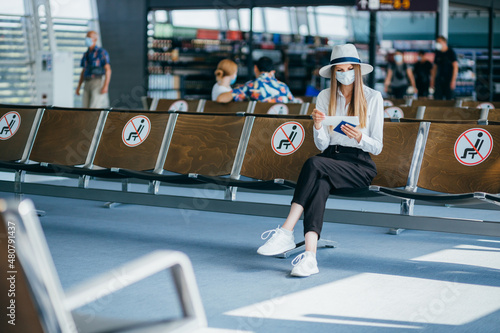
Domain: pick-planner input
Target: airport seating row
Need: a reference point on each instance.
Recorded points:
(241, 150)
(441, 103)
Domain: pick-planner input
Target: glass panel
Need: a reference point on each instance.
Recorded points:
(233, 24)
(207, 19)
(12, 7)
(332, 25)
(278, 20)
(311, 17)
(161, 16)
(258, 22)
(71, 9)
(335, 10)
(16, 84)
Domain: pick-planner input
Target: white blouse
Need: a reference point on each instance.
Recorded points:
(371, 140)
(219, 89)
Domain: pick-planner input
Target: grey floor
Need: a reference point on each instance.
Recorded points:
(373, 282)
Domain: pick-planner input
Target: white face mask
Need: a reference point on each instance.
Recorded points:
(439, 46)
(346, 78)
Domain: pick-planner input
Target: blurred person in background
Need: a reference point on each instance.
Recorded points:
(445, 70)
(265, 88)
(422, 73)
(225, 75)
(96, 74)
(399, 77)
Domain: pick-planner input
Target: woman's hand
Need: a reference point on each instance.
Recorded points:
(352, 132)
(318, 117)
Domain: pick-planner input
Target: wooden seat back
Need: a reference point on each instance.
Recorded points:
(311, 108)
(163, 104)
(278, 108)
(204, 144)
(396, 111)
(262, 159)
(432, 102)
(231, 107)
(306, 99)
(442, 121)
(480, 104)
(16, 125)
(393, 163)
(394, 102)
(122, 147)
(494, 115)
(451, 113)
(65, 135)
(25, 314)
(443, 172)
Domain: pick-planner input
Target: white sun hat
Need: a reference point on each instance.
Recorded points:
(344, 54)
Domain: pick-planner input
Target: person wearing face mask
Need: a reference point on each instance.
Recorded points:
(225, 75)
(96, 74)
(345, 160)
(399, 76)
(422, 73)
(445, 70)
(265, 88)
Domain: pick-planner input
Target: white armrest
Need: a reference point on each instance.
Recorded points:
(137, 270)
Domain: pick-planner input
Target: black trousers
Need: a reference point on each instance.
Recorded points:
(399, 92)
(442, 90)
(337, 167)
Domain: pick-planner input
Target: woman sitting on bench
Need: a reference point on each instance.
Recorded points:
(345, 161)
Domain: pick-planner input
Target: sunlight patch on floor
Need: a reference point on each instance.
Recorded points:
(379, 300)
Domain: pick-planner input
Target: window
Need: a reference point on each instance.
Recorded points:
(332, 22)
(206, 19)
(258, 22)
(79, 9)
(278, 20)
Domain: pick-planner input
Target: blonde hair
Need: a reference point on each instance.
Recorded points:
(225, 67)
(357, 106)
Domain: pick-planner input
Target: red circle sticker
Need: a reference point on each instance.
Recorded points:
(9, 124)
(393, 112)
(179, 105)
(288, 138)
(388, 102)
(136, 131)
(278, 109)
(473, 146)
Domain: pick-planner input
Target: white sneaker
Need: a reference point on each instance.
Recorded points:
(305, 264)
(280, 242)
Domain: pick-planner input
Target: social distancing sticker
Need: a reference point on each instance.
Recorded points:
(393, 112)
(179, 105)
(473, 146)
(278, 109)
(288, 138)
(486, 105)
(388, 103)
(136, 131)
(9, 124)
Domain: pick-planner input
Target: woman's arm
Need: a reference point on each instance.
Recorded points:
(321, 135)
(387, 81)
(225, 97)
(409, 72)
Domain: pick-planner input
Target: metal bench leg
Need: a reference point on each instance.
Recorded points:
(153, 187)
(83, 181)
(406, 208)
(300, 247)
(230, 193)
(125, 187)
